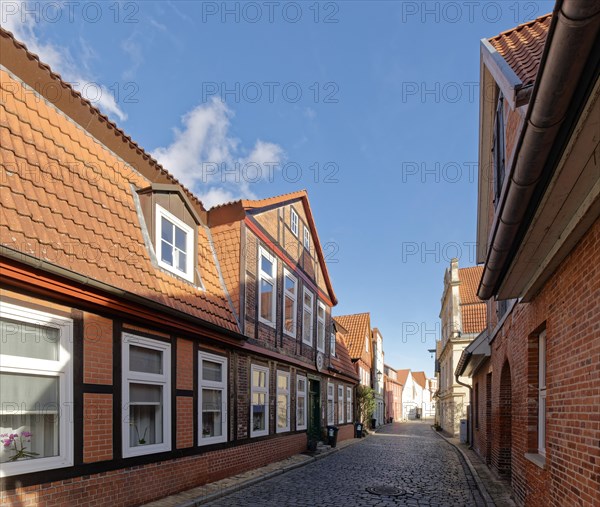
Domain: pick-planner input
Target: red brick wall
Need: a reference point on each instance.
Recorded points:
(97, 349)
(137, 485)
(569, 309)
(97, 427)
(185, 364)
(185, 421)
(346, 432)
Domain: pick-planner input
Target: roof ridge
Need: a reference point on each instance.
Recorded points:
(521, 26)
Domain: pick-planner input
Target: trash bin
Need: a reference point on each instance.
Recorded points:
(373, 423)
(358, 430)
(332, 432)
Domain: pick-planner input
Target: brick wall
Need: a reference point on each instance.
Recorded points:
(97, 427)
(568, 308)
(97, 349)
(137, 485)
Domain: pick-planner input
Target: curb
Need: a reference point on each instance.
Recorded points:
(480, 485)
(256, 480)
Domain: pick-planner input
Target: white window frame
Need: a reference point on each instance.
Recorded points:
(321, 338)
(301, 394)
(285, 392)
(271, 279)
(367, 343)
(340, 393)
(310, 310)
(332, 343)
(306, 238)
(294, 222)
(189, 243)
(330, 403)
(62, 368)
(136, 377)
(294, 298)
(542, 393)
(258, 389)
(210, 384)
(349, 405)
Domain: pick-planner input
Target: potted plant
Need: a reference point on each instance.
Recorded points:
(16, 443)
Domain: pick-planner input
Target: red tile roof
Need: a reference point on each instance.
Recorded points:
(473, 309)
(67, 199)
(420, 378)
(342, 360)
(522, 47)
(402, 376)
(358, 326)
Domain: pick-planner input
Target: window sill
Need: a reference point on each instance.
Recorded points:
(536, 459)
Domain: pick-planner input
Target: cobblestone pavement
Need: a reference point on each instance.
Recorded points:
(409, 456)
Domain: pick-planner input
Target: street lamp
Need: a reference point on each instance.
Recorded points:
(379, 374)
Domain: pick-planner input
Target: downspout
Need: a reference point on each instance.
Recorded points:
(470, 388)
(571, 38)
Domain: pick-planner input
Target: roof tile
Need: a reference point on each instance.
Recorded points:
(358, 326)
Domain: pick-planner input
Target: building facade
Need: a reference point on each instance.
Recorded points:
(126, 348)
(392, 394)
(463, 317)
(536, 371)
(378, 377)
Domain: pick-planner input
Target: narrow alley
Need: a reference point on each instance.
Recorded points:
(410, 457)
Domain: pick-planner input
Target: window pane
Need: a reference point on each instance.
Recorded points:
(301, 421)
(212, 371)
(29, 417)
(320, 334)
(321, 312)
(145, 425)
(301, 385)
(166, 253)
(258, 378)
(308, 300)
(145, 394)
(212, 407)
(282, 382)
(258, 412)
(306, 323)
(290, 285)
(266, 265)
(166, 229)
(180, 239)
(182, 262)
(289, 315)
(282, 409)
(145, 360)
(29, 340)
(266, 295)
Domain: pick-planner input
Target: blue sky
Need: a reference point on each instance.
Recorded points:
(370, 106)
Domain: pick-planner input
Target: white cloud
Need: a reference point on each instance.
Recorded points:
(25, 29)
(206, 158)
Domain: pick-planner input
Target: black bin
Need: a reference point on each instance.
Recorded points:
(332, 432)
(358, 430)
(373, 423)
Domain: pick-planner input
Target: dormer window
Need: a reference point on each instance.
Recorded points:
(174, 244)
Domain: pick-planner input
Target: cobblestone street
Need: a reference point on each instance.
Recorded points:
(408, 456)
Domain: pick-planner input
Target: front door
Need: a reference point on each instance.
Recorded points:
(314, 407)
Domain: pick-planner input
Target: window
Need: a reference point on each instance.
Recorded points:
(306, 238)
(349, 405)
(542, 393)
(294, 221)
(301, 402)
(260, 401)
(367, 343)
(332, 343)
(330, 404)
(290, 302)
(283, 401)
(340, 404)
(36, 380)
(174, 244)
(307, 318)
(212, 398)
(267, 287)
(146, 396)
(499, 150)
(320, 327)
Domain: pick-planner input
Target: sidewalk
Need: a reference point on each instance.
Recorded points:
(494, 490)
(218, 489)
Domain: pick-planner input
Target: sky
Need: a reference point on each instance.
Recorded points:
(371, 106)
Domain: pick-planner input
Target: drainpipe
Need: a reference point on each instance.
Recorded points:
(571, 38)
(470, 388)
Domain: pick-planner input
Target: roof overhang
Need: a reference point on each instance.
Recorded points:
(474, 355)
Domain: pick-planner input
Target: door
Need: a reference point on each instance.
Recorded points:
(314, 407)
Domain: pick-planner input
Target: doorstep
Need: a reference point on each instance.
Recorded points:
(214, 490)
(495, 492)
